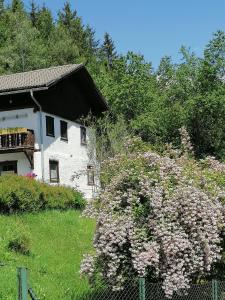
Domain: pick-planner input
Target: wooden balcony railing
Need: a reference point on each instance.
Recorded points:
(17, 141)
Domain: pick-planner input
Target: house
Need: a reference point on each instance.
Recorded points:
(40, 132)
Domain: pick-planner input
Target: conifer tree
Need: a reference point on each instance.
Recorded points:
(1, 6)
(108, 49)
(17, 5)
(44, 22)
(67, 15)
(33, 13)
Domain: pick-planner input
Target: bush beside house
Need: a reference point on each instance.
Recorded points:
(159, 216)
(20, 194)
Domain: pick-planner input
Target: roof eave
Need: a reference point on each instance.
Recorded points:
(21, 91)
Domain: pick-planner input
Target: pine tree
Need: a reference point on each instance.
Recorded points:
(1, 6)
(17, 5)
(108, 49)
(67, 15)
(33, 13)
(72, 23)
(91, 42)
(44, 22)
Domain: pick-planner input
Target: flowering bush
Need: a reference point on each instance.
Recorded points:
(31, 175)
(159, 216)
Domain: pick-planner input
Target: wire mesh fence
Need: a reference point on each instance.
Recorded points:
(196, 292)
(129, 292)
(139, 289)
(144, 290)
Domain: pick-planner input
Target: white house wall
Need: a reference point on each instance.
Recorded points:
(71, 155)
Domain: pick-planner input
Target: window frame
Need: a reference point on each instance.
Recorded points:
(90, 174)
(13, 163)
(53, 180)
(83, 142)
(48, 119)
(61, 127)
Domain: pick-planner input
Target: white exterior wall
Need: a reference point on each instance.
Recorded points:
(71, 155)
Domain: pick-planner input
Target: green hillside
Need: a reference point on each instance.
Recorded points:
(57, 242)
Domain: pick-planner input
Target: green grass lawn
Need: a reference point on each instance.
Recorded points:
(58, 242)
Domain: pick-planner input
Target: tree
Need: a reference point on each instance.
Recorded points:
(23, 50)
(2, 6)
(108, 50)
(72, 24)
(34, 13)
(67, 15)
(214, 53)
(17, 6)
(44, 23)
(165, 73)
(62, 49)
(91, 42)
(206, 123)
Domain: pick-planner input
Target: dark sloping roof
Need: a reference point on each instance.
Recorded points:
(36, 79)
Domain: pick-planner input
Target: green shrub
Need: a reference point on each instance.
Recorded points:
(19, 194)
(20, 240)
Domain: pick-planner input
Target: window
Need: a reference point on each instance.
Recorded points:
(83, 135)
(63, 131)
(50, 130)
(8, 167)
(54, 171)
(90, 175)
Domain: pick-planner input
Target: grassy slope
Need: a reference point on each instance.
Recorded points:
(59, 240)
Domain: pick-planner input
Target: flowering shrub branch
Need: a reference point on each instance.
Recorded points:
(158, 217)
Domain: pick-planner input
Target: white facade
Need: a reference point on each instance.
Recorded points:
(71, 155)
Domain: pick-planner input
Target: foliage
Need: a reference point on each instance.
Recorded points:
(20, 240)
(159, 216)
(108, 50)
(22, 194)
(206, 123)
(153, 103)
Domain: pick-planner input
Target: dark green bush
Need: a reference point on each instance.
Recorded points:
(20, 240)
(19, 194)
(20, 244)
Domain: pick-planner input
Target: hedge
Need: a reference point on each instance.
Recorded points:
(20, 194)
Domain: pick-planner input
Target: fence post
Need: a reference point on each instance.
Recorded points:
(215, 289)
(141, 288)
(22, 284)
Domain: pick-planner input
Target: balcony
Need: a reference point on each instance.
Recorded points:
(17, 140)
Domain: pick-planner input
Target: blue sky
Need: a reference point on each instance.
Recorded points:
(152, 27)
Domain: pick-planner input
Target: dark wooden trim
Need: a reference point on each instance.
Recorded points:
(18, 107)
(30, 156)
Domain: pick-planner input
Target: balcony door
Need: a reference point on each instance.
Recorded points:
(8, 167)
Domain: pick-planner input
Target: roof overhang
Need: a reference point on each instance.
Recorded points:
(52, 83)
